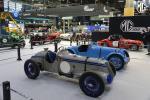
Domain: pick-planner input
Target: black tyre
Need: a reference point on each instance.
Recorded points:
(91, 84)
(117, 61)
(31, 69)
(134, 47)
(113, 68)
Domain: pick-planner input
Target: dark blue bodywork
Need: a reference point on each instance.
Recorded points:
(96, 51)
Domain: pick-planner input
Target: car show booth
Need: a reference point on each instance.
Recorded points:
(78, 49)
(129, 27)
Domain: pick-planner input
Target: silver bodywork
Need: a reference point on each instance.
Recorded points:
(73, 66)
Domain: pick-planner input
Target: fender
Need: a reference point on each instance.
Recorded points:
(119, 54)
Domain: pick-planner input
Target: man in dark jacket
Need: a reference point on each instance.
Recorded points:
(147, 39)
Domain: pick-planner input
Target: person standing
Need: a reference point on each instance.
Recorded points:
(146, 37)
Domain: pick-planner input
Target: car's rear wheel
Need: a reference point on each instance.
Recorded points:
(117, 61)
(91, 84)
(134, 47)
(32, 70)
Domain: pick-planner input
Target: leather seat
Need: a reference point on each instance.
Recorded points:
(51, 56)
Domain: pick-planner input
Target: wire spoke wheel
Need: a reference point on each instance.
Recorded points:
(31, 69)
(91, 84)
(117, 61)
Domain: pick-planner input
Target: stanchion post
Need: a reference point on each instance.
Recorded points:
(6, 90)
(70, 42)
(77, 42)
(56, 46)
(31, 42)
(18, 52)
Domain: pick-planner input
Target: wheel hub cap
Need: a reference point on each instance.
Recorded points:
(31, 69)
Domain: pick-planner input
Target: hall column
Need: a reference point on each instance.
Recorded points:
(129, 8)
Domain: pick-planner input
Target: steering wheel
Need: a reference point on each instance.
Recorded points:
(60, 50)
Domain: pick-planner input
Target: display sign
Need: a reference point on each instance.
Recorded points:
(87, 8)
(141, 7)
(11, 5)
(66, 18)
(13, 28)
(135, 24)
(129, 27)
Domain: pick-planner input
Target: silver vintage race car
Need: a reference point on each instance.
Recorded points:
(93, 73)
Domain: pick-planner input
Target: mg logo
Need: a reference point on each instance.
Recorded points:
(141, 7)
(126, 25)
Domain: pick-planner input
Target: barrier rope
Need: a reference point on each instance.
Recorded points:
(13, 57)
(7, 50)
(21, 94)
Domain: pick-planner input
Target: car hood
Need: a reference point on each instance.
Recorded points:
(103, 40)
(108, 49)
(132, 41)
(111, 49)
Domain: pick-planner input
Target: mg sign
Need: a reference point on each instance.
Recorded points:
(126, 25)
(130, 26)
(141, 7)
(87, 8)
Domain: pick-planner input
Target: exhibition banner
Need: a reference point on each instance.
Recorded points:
(135, 24)
(130, 27)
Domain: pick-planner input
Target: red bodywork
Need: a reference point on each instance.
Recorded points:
(45, 38)
(53, 36)
(120, 42)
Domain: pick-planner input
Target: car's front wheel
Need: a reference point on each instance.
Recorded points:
(117, 61)
(31, 69)
(91, 84)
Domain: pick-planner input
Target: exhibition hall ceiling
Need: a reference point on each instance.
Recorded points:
(71, 7)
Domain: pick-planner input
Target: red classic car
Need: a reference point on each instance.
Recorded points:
(41, 39)
(118, 41)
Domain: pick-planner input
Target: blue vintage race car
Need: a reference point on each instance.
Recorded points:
(118, 57)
